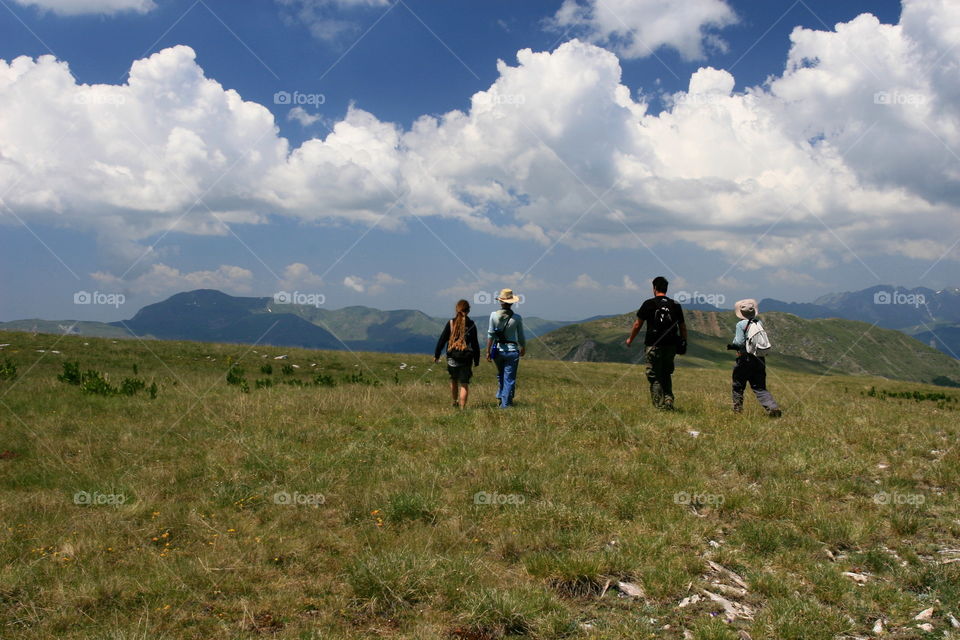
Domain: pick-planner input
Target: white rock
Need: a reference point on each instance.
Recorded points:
(280, 357)
(926, 614)
(630, 589)
(878, 626)
(926, 626)
(686, 602)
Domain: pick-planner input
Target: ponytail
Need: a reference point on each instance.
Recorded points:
(458, 328)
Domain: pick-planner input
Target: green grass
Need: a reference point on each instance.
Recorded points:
(363, 506)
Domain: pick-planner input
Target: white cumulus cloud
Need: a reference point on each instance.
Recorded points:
(161, 278)
(637, 28)
(78, 7)
(373, 286)
(848, 153)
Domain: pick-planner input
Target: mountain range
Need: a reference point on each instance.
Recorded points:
(207, 315)
(821, 346)
(881, 331)
(932, 317)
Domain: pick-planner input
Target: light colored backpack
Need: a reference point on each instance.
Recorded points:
(758, 343)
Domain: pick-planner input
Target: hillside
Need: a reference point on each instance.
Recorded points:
(207, 315)
(812, 346)
(340, 497)
(73, 327)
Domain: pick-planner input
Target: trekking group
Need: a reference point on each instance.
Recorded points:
(665, 338)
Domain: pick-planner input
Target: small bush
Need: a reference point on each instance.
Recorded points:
(266, 369)
(287, 370)
(323, 380)
(357, 378)
(8, 370)
(235, 377)
(98, 382)
(71, 373)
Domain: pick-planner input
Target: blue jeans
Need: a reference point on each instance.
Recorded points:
(507, 363)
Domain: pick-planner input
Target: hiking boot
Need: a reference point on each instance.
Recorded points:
(774, 413)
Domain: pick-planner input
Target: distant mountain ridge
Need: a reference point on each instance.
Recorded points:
(804, 345)
(208, 315)
(933, 317)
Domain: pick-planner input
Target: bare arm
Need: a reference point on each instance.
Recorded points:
(637, 325)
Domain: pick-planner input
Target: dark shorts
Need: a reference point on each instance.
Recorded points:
(461, 374)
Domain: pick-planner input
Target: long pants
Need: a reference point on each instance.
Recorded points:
(507, 363)
(659, 372)
(753, 370)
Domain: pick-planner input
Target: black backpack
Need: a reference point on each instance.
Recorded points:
(662, 325)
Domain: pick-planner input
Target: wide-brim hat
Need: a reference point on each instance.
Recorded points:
(746, 309)
(508, 296)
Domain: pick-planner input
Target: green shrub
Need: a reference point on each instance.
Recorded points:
(8, 370)
(323, 380)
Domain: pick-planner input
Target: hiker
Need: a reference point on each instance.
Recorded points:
(506, 344)
(463, 352)
(666, 338)
(751, 343)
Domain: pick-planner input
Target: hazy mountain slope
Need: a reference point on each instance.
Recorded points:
(829, 345)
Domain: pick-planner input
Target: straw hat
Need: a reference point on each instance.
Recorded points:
(507, 295)
(746, 309)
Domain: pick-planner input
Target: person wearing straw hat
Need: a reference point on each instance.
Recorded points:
(751, 365)
(506, 344)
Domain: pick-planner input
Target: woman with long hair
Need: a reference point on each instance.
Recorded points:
(459, 337)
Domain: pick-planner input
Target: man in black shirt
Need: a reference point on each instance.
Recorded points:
(666, 337)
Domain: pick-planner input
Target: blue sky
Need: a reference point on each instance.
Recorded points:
(740, 163)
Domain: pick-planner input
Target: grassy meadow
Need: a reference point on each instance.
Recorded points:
(332, 495)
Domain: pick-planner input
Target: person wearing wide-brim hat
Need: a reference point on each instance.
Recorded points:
(505, 333)
(750, 368)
